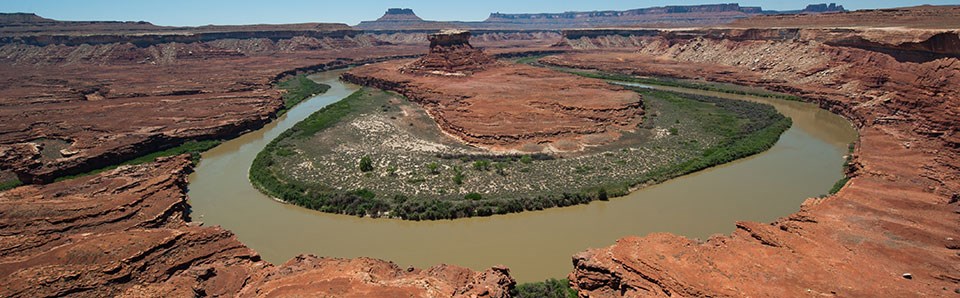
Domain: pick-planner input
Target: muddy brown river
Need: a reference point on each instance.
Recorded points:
(804, 163)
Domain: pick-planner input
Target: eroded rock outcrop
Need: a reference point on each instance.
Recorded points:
(106, 103)
(890, 231)
(127, 232)
(450, 55)
(504, 106)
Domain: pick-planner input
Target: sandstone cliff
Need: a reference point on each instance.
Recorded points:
(503, 106)
(890, 232)
(450, 54)
(127, 233)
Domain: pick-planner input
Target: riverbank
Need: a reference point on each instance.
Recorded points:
(376, 154)
(696, 205)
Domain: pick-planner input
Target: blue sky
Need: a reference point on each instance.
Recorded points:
(223, 12)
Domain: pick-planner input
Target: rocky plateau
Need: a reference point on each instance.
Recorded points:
(890, 231)
(72, 102)
(503, 106)
(127, 233)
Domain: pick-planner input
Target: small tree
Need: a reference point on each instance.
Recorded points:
(457, 175)
(500, 167)
(481, 165)
(602, 194)
(366, 164)
(392, 171)
(526, 159)
(434, 168)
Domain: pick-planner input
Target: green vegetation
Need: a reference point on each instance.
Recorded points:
(10, 184)
(434, 168)
(457, 175)
(366, 164)
(840, 184)
(481, 165)
(526, 159)
(194, 148)
(324, 118)
(551, 288)
(689, 84)
(532, 59)
(752, 138)
(847, 164)
(298, 89)
(711, 131)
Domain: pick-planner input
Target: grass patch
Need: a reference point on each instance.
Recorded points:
(712, 131)
(324, 118)
(837, 186)
(530, 59)
(669, 82)
(299, 88)
(194, 148)
(551, 288)
(847, 164)
(10, 184)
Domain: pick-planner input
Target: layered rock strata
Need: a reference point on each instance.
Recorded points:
(451, 55)
(503, 106)
(891, 231)
(127, 232)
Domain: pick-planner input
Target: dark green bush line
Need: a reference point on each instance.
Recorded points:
(322, 119)
(840, 184)
(847, 164)
(194, 148)
(757, 135)
(677, 83)
(10, 184)
(299, 88)
(757, 142)
(551, 288)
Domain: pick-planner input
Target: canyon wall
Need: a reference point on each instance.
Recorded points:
(891, 231)
(915, 45)
(127, 232)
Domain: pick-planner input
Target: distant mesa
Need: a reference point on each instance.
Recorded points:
(652, 17)
(22, 18)
(399, 14)
(403, 19)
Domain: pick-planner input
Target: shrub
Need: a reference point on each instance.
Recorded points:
(481, 165)
(434, 168)
(366, 164)
(551, 288)
(526, 159)
(500, 167)
(457, 175)
(473, 196)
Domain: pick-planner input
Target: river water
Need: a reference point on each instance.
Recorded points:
(535, 245)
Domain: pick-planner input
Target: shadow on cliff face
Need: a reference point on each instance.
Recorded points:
(939, 46)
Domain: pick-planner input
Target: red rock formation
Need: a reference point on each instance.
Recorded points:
(890, 232)
(503, 106)
(450, 54)
(126, 233)
(111, 102)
